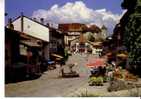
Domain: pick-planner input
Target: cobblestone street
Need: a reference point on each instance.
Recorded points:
(49, 84)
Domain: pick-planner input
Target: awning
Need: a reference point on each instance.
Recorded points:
(122, 55)
(109, 54)
(30, 43)
(96, 63)
(56, 55)
(97, 44)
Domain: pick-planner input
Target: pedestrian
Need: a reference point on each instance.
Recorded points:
(110, 75)
(103, 71)
(61, 70)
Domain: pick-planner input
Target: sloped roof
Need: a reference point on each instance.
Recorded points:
(73, 27)
(94, 28)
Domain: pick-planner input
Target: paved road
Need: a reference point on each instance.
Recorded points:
(49, 84)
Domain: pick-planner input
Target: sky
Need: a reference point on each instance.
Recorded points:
(99, 12)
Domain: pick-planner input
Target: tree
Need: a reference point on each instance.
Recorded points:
(132, 34)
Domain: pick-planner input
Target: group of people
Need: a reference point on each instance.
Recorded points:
(108, 71)
(100, 71)
(113, 71)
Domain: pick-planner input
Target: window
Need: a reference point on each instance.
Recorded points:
(23, 49)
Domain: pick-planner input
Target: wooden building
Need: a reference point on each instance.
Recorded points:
(71, 31)
(33, 28)
(75, 30)
(27, 42)
(52, 37)
(18, 63)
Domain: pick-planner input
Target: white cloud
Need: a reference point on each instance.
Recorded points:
(78, 12)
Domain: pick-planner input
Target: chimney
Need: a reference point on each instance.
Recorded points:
(42, 20)
(47, 24)
(6, 14)
(34, 19)
(10, 25)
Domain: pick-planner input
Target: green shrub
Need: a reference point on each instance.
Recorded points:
(96, 81)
